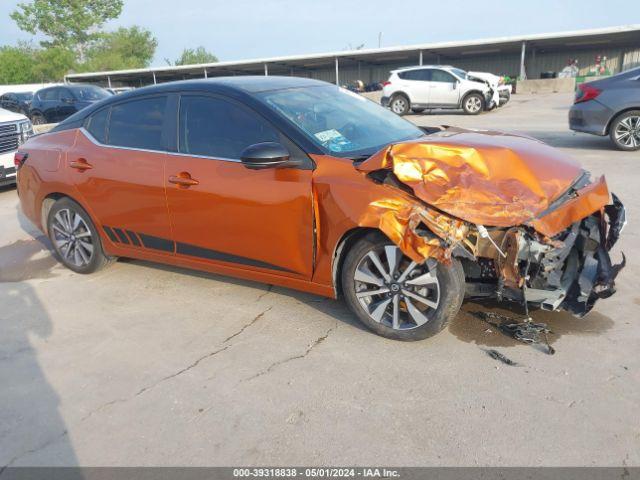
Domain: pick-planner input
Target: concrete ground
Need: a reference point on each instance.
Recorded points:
(143, 364)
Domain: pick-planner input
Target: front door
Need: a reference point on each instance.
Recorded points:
(117, 166)
(226, 213)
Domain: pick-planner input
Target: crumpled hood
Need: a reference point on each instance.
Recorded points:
(483, 177)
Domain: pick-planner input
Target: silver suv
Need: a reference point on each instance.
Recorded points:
(434, 86)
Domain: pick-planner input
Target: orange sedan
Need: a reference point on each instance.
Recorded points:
(299, 183)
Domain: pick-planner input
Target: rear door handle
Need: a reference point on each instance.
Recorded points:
(183, 179)
(80, 164)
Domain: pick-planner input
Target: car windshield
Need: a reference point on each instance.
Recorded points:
(24, 97)
(460, 73)
(340, 122)
(90, 93)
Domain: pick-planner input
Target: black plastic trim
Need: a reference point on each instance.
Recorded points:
(122, 236)
(134, 238)
(110, 234)
(157, 243)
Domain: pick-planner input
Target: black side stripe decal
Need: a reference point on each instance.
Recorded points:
(122, 236)
(157, 243)
(165, 245)
(133, 237)
(110, 234)
(200, 252)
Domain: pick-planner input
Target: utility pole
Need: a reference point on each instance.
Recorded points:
(379, 39)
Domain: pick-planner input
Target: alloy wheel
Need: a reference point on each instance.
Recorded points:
(396, 291)
(627, 132)
(399, 105)
(473, 104)
(72, 238)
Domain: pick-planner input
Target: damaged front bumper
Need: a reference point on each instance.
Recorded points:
(569, 271)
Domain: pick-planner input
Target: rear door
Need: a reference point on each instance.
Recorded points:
(117, 166)
(249, 219)
(444, 89)
(416, 84)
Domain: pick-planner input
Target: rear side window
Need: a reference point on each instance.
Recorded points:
(138, 124)
(217, 128)
(423, 75)
(442, 76)
(97, 125)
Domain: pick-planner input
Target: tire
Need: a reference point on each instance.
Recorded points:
(38, 119)
(75, 240)
(473, 104)
(417, 110)
(392, 313)
(399, 104)
(625, 131)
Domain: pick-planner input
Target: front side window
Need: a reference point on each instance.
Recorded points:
(138, 124)
(50, 95)
(217, 128)
(442, 76)
(340, 122)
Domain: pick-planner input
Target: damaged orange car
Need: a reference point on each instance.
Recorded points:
(299, 183)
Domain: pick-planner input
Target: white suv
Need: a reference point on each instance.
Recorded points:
(434, 86)
(14, 131)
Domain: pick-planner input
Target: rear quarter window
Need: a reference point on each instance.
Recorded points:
(97, 125)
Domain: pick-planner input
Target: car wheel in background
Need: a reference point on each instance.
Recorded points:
(625, 131)
(38, 119)
(396, 297)
(399, 104)
(74, 237)
(473, 104)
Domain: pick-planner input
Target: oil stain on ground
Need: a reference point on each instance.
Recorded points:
(26, 260)
(469, 328)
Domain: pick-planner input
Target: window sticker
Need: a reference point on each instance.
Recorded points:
(328, 135)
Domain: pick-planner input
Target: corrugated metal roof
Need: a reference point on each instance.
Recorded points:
(356, 54)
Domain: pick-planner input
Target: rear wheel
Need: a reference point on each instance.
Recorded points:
(399, 105)
(473, 104)
(396, 297)
(625, 131)
(74, 237)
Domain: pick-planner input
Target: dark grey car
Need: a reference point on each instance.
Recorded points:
(610, 106)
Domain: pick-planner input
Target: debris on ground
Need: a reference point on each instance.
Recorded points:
(525, 331)
(496, 355)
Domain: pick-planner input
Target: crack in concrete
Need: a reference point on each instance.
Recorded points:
(255, 319)
(44, 445)
(181, 371)
(267, 292)
(311, 346)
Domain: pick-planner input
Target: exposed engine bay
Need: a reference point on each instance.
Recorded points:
(526, 222)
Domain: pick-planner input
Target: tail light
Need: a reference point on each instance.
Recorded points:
(386, 84)
(586, 92)
(19, 158)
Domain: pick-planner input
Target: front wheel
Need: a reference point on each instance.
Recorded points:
(625, 131)
(396, 297)
(38, 119)
(473, 104)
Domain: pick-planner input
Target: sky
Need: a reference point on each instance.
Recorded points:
(244, 29)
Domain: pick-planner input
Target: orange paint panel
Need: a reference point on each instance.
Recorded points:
(588, 200)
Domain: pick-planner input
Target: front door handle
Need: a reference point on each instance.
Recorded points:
(80, 164)
(183, 179)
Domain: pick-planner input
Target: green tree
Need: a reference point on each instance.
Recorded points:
(52, 64)
(17, 64)
(194, 56)
(66, 23)
(125, 48)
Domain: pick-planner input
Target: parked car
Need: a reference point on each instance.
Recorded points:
(610, 106)
(15, 129)
(436, 86)
(501, 93)
(299, 183)
(54, 104)
(18, 102)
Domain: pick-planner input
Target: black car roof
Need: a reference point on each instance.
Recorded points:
(240, 87)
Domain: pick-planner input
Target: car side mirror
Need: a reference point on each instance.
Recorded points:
(264, 155)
